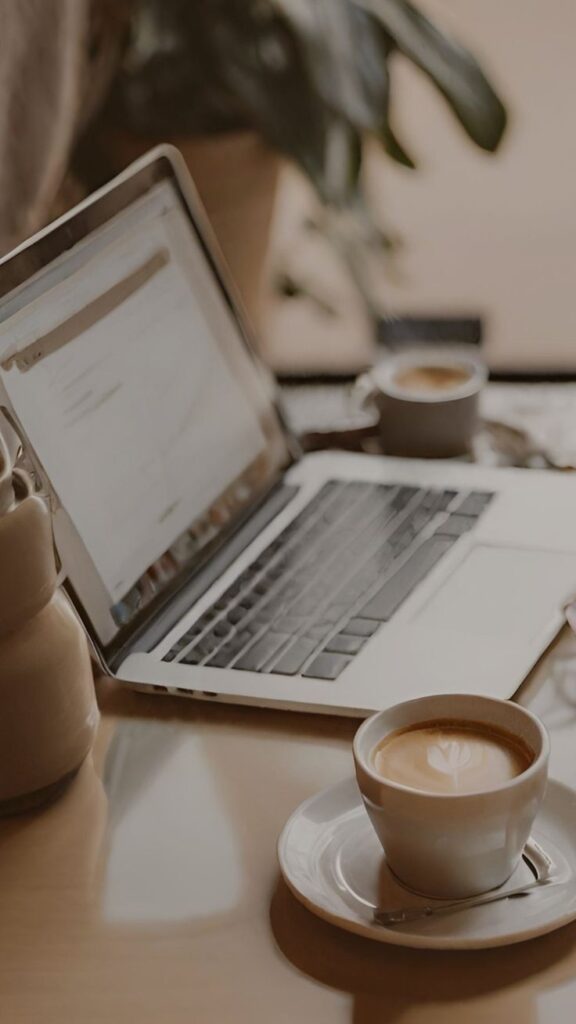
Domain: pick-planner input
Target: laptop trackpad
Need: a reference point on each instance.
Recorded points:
(502, 592)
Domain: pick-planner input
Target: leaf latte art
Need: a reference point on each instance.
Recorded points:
(451, 757)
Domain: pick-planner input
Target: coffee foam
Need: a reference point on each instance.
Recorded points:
(451, 757)
(432, 378)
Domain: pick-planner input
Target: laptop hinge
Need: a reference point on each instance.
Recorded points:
(152, 632)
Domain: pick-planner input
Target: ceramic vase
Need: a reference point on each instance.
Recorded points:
(48, 710)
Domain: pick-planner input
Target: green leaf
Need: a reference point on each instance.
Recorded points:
(384, 130)
(263, 63)
(352, 164)
(394, 149)
(344, 56)
(347, 54)
(271, 65)
(454, 70)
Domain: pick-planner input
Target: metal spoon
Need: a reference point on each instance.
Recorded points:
(544, 875)
(519, 445)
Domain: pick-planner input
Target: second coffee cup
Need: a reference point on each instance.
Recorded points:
(427, 401)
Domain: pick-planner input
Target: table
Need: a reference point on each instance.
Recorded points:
(150, 892)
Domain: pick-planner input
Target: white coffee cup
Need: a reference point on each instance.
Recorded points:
(460, 844)
(438, 421)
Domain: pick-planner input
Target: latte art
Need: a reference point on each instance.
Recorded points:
(451, 757)
(432, 378)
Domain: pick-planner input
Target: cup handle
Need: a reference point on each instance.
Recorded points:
(363, 391)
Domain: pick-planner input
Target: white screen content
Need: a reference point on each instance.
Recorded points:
(133, 409)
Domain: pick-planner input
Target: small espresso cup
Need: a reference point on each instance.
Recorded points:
(461, 844)
(427, 401)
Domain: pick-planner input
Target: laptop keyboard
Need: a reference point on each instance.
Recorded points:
(341, 569)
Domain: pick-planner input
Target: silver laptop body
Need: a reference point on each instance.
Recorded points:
(204, 555)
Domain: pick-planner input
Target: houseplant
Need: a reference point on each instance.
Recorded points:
(313, 78)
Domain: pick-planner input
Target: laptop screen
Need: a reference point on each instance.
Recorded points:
(123, 363)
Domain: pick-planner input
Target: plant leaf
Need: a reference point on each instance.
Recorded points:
(263, 62)
(394, 149)
(270, 64)
(348, 61)
(345, 58)
(451, 67)
(343, 164)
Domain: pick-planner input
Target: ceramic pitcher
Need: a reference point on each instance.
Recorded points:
(48, 711)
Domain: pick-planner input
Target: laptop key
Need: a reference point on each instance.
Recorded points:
(344, 644)
(361, 627)
(193, 657)
(294, 657)
(327, 666)
(340, 609)
(201, 650)
(262, 617)
(456, 525)
(205, 619)
(290, 624)
(235, 615)
(442, 499)
(475, 503)
(394, 592)
(230, 650)
(403, 496)
(318, 631)
(221, 629)
(234, 589)
(261, 651)
(180, 644)
(247, 601)
(276, 570)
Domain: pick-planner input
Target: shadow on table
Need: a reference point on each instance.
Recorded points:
(385, 981)
(118, 701)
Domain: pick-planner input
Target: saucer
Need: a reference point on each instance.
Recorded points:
(333, 863)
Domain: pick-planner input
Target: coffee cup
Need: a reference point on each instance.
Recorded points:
(453, 841)
(427, 400)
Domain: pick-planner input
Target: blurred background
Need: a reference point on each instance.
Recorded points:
(373, 169)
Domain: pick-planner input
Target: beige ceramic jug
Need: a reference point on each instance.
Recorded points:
(48, 711)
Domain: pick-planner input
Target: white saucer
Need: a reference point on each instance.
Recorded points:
(333, 863)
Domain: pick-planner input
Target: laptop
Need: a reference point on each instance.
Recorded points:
(206, 557)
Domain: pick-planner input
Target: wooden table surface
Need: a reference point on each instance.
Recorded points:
(150, 892)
